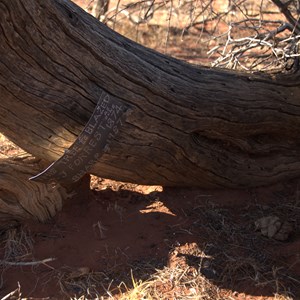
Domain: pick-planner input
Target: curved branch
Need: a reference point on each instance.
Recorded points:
(283, 7)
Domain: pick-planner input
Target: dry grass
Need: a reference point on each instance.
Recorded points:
(178, 283)
(16, 246)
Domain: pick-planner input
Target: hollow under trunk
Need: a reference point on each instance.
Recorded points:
(187, 126)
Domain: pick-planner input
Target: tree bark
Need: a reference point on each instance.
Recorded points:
(23, 199)
(188, 125)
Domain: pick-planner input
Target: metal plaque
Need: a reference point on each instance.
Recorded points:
(92, 142)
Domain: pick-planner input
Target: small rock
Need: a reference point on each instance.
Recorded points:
(273, 227)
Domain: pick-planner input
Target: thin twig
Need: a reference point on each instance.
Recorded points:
(10, 294)
(26, 263)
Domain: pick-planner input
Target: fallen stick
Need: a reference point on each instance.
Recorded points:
(26, 263)
(10, 294)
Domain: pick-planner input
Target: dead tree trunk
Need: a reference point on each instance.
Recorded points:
(187, 125)
(24, 199)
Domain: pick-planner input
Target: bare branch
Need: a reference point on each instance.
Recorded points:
(26, 263)
(284, 9)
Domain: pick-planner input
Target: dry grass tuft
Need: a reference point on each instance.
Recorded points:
(81, 281)
(16, 246)
(177, 283)
(183, 278)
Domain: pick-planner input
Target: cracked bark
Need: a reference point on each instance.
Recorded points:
(189, 126)
(23, 199)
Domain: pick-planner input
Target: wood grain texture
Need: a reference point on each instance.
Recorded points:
(23, 199)
(189, 126)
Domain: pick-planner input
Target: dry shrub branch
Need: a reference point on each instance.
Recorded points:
(239, 34)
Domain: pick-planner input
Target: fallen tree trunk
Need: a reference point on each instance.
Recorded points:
(187, 125)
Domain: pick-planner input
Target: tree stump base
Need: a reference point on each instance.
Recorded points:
(21, 198)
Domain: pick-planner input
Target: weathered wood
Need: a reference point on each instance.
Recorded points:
(23, 199)
(188, 125)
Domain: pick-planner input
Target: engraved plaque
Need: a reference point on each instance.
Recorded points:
(92, 142)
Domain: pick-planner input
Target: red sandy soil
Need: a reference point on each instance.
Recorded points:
(118, 228)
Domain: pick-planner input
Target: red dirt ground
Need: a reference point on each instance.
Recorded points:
(116, 229)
